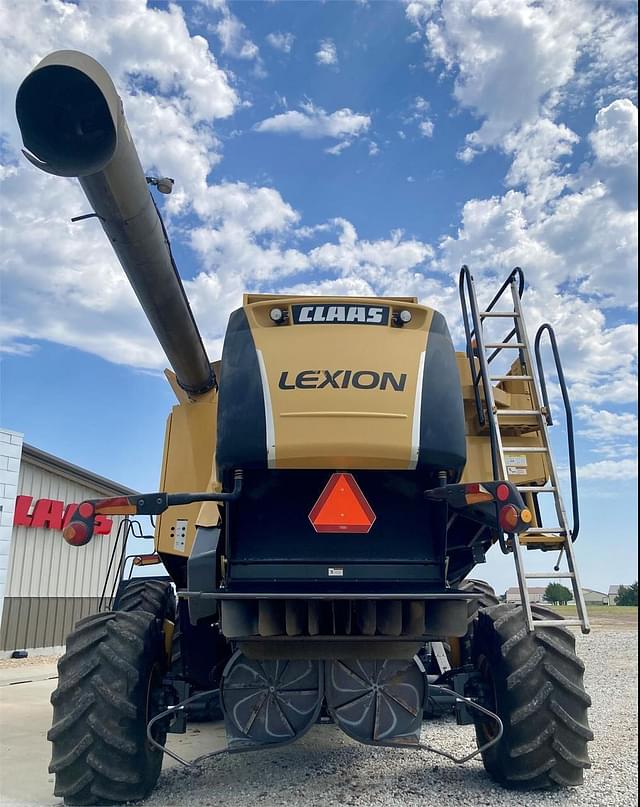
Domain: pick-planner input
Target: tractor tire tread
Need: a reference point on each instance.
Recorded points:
(153, 596)
(100, 750)
(538, 684)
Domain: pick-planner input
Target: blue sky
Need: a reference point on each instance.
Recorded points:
(348, 148)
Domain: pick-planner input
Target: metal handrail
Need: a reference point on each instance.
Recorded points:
(516, 272)
(568, 414)
(466, 280)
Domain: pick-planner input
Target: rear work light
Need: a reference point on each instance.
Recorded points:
(342, 507)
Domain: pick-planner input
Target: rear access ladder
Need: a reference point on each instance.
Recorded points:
(481, 355)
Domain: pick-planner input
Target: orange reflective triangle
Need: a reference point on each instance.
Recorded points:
(342, 507)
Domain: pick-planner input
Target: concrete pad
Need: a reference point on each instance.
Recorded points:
(25, 718)
(34, 672)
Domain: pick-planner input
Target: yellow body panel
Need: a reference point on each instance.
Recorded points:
(249, 299)
(328, 428)
(342, 423)
(188, 465)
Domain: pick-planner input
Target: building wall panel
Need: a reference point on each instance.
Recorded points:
(41, 563)
(42, 621)
(10, 451)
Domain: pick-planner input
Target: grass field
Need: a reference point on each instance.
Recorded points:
(618, 617)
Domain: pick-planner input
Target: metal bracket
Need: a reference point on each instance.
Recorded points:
(171, 712)
(471, 704)
(86, 216)
(460, 699)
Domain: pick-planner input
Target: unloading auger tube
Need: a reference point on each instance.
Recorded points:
(73, 125)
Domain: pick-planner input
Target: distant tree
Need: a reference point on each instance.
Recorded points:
(557, 594)
(628, 595)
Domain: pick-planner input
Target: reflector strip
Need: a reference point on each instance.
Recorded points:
(342, 507)
(268, 412)
(417, 410)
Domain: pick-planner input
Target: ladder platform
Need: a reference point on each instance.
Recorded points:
(511, 378)
(511, 314)
(544, 530)
(547, 543)
(503, 345)
(526, 449)
(549, 575)
(536, 489)
(519, 412)
(553, 623)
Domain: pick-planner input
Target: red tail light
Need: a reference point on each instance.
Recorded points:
(509, 518)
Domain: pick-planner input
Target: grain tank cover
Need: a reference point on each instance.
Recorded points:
(339, 383)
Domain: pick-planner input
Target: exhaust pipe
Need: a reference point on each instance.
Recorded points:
(73, 125)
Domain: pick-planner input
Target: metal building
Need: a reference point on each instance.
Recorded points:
(45, 584)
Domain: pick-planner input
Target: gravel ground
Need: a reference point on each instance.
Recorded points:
(31, 661)
(326, 768)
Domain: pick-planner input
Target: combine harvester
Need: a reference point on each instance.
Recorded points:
(345, 471)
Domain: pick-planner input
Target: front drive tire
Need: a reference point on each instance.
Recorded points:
(534, 682)
(109, 683)
(155, 596)
(487, 599)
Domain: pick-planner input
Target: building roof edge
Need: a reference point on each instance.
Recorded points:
(74, 472)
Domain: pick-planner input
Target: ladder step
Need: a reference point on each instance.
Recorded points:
(511, 378)
(512, 314)
(551, 623)
(515, 345)
(546, 530)
(519, 412)
(525, 449)
(549, 575)
(535, 489)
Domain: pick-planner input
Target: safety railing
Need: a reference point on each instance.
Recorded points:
(546, 327)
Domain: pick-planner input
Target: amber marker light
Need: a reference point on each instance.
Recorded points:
(475, 493)
(526, 516)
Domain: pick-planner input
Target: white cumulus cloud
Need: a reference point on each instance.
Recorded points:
(609, 470)
(281, 41)
(233, 36)
(314, 123)
(327, 53)
(514, 62)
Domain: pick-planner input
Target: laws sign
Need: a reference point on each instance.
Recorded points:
(52, 514)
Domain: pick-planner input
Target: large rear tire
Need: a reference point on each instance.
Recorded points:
(534, 682)
(109, 686)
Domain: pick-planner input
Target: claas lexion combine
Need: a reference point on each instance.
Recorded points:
(346, 469)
